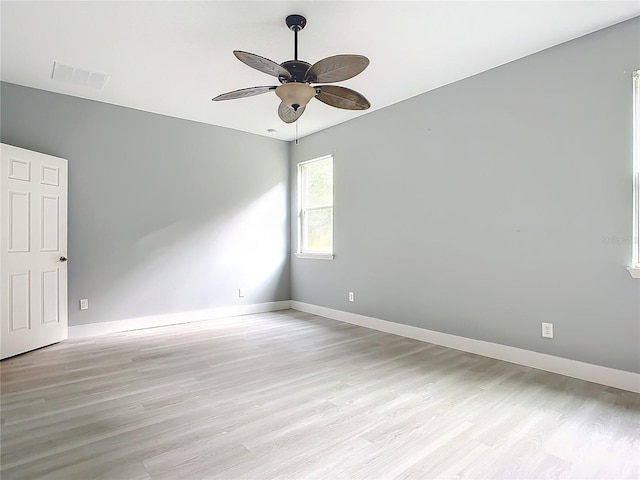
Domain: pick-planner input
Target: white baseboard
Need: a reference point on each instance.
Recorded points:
(571, 368)
(92, 329)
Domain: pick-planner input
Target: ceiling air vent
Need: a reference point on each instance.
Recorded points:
(77, 76)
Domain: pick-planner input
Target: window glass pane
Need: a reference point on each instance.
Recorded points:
(318, 183)
(319, 231)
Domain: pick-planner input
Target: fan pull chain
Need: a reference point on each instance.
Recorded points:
(296, 132)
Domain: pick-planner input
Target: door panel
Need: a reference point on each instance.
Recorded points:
(33, 237)
(19, 221)
(49, 239)
(19, 302)
(20, 169)
(50, 296)
(50, 175)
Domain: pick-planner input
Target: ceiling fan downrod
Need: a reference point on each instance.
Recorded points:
(295, 24)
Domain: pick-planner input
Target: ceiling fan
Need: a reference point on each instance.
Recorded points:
(296, 77)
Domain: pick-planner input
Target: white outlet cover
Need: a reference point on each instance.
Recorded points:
(547, 330)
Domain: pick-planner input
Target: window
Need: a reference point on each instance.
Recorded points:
(315, 208)
(634, 270)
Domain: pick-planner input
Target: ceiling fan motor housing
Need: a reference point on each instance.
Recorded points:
(297, 69)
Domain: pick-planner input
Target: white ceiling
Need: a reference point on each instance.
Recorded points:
(172, 57)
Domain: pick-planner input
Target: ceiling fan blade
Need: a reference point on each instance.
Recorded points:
(288, 114)
(336, 68)
(341, 97)
(263, 64)
(243, 92)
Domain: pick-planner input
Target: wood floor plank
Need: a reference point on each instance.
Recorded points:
(292, 395)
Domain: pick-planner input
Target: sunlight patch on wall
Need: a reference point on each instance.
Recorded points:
(201, 263)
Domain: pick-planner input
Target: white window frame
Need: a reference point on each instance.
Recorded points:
(634, 269)
(302, 213)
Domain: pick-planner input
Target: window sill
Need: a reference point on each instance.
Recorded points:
(315, 256)
(634, 271)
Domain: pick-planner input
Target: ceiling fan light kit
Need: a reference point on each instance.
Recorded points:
(296, 77)
(295, 95)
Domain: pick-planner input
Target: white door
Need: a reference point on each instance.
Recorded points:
(33, 242)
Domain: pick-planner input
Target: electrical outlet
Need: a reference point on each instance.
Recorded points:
(351, 297)
(84, 304)
(547, 330)
(241, 292)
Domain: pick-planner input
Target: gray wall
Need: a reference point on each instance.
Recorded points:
(493, 204)
(165, 215)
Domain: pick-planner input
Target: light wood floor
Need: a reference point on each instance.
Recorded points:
(292, 395)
